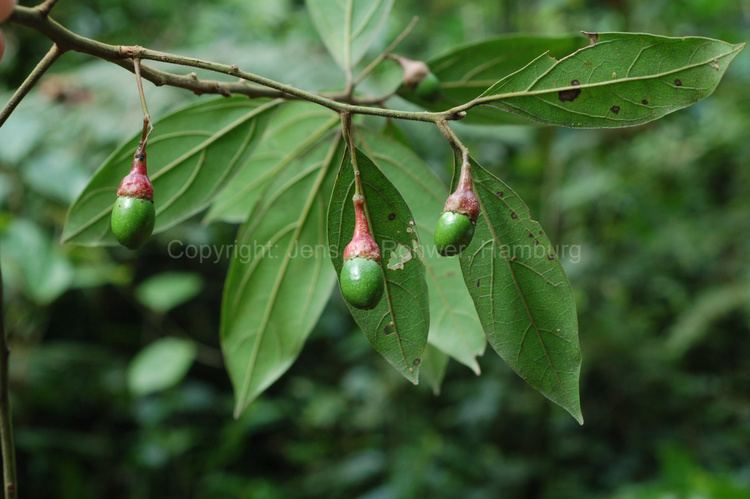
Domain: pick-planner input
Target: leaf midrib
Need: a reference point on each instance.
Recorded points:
(309, 202)
(529, 93)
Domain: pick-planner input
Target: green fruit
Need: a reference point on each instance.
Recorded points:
(453, 233)
(362, 282)
(132, 221)
(428, 88)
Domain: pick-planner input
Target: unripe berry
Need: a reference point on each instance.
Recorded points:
(453, 233)
(455, 227)
(133, 214)
(428, 88)
(361, 278)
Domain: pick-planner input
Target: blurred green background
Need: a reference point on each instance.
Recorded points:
(660, 213)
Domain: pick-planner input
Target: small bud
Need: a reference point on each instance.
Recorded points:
(361, 279)
(419, 78)
(455, 228)
(133, 214)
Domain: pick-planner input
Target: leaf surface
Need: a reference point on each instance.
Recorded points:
(454, 325)
(279, 279)
(397, 327)
(619, 80)
(291, 138)
(191, 154)
(348, 27)
(467, 71)
(522, 295)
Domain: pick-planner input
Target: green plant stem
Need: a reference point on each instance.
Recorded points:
(346, 130)
(49, 58)
(123, 55)
(147, 126)
(6, 424)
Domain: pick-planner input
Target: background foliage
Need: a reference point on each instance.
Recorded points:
(662, 286)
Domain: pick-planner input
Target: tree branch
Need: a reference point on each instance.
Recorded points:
(31, 80)
(6, 424)
(121, 55)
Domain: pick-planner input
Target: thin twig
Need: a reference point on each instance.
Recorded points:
(387, 51)
(45, 7)
(50, 57)
(6, 423)
(66, 39)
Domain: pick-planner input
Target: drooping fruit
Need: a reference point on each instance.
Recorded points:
(455, 227)
(419, 78)
(361, 278)
(133, 214)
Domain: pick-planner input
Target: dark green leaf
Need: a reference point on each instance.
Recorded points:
(348, 27)
(465, 72)
(454, 326)
(191, 154)
(160, 365)
(621, 79)
(522, 295)
(279, 279)
(397, 328)
(296, 129)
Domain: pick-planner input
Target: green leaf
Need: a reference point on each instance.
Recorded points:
(621, 79)
(454, 325)
(191, 154)
(297, 129)
(163, 292)
(279, 279)
(434, 365)
(160, 365)
(467, 71)
(33, 262)
(348, 27)
(397, 327)
(522, 295)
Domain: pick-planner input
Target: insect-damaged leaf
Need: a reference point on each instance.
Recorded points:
(454, 326)
(397, 327)
(522, 295)
(467, 71)
(191, 154)
(621, 79)
(279, 279)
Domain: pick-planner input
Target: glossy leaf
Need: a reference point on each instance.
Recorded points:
(522, 295)
(454, 325)
(191, 154)
(621, 79)
(434, 365)
(297, 129)
(279, 279)
(467, 71)
(348, 27)
(397, 327)
(160, 365)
